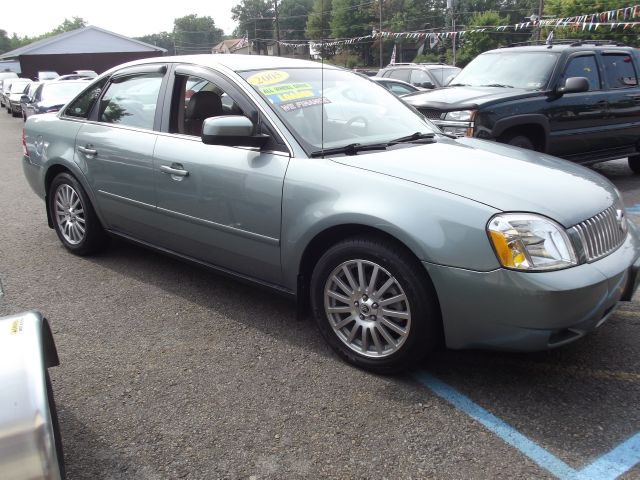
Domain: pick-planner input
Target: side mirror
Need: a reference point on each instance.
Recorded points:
(232, 131)
(24, 99)
(428, 85)
(574, 85)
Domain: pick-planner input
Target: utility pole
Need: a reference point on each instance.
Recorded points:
(381, 37)
(451, 5)
(275, 6)
(540, 10)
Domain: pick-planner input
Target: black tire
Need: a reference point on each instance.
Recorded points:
(424, 330)
(94, 237)
(15, 114)
(521, 141)
(634, 163)
(56, 426)
(8, 110)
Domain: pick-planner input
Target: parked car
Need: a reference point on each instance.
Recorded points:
(14, 95)
(397, 87)
(396, 235)
(73, 76)
(46, 75)
(3, 76)
(424, 75)
(52, 96)
(6, 87)
(27, 96)
(579, 101)
(85, 73)
(30, 440)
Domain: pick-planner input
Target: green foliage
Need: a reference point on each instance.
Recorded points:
(68, 25)
(5, 42)
(430, 57)
(568, 8)
(293, 14)
(254, 17)
(11, 43)
(473, 44)
(162, 40)
(319, 21)
(345, 59)
(195, 34)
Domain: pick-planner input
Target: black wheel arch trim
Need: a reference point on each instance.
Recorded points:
(505, 124)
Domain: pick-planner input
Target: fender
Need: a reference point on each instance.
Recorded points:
(504, 124)
(30, 445)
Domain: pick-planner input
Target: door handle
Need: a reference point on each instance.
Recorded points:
(174, 171)
(88, 151)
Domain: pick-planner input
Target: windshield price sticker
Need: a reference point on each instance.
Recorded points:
(268, 77)
(290, 107)
(284, 88)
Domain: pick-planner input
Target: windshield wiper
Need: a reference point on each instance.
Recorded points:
(351, 149)
(428, 137)
(498, 85)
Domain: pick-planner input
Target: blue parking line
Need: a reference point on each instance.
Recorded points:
(635, 209)
(608, 467)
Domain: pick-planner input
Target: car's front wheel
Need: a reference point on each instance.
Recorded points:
(374, 304)
(634, 163)
(74, 218)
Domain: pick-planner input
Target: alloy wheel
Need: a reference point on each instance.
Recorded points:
(367, 308)
(69, 214)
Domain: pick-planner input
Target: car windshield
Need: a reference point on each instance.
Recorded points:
(530, 70)
(444, 75)
(18, 87)
(61, 92)
(333, 108)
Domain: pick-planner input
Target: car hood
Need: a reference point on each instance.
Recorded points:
(503, 177)
(464, 97)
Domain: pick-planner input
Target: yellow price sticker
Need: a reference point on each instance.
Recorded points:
(268, 77)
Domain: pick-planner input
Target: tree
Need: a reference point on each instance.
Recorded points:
(5, 42)
(349, 18)
(195, 34)
(162, 40)
(67, 26)
(319, 21)
(473, 44)
(569, 8)
(293, 18)
(255, 18)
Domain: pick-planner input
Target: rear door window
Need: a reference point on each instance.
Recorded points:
(420, 76)
(131, 101)
(619, 71)
(400, 74)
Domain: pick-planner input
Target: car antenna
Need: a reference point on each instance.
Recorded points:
(549, 41)
(322, 76)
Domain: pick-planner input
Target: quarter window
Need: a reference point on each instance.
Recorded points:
(81, 106)
(399, 89)
(620, 72)
(131, 101)
(586, 67)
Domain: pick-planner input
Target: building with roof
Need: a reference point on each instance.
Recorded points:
(233, 45)
(88, 48)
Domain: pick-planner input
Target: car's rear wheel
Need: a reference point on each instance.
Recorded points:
(634, 163)
(15, 114)
(374, 304)
(74, 218)
(8, 109)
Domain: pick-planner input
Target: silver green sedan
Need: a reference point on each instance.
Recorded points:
(325, 187)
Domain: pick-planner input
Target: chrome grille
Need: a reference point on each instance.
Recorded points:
(602, 234)
(431, 113)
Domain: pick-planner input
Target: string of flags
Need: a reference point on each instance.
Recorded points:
(612, 19)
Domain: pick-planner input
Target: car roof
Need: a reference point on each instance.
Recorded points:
(234, 62)
(561, 47)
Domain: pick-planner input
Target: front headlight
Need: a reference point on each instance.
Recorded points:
(460, 116)
(524, 241)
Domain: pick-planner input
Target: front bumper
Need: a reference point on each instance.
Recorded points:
(528, 311)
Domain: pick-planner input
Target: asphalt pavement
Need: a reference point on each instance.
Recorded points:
(171, 371)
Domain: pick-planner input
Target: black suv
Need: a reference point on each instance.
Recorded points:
(423, 75)
(579, 101)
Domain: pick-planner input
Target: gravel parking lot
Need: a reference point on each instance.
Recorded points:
(169, 371)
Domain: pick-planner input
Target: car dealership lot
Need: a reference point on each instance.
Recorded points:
(171, 371)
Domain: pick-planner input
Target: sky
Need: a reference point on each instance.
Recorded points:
(130, 18)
